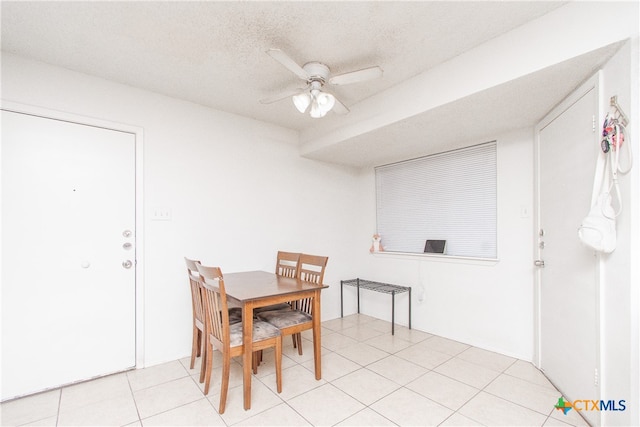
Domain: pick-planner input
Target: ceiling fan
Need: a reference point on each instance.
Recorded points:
(317, 75)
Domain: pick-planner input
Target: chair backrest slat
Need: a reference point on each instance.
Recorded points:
(304, 305)
(287, 264)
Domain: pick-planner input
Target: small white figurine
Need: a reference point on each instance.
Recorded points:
(376, 246)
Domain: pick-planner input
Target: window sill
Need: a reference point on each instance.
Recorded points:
(437, 258)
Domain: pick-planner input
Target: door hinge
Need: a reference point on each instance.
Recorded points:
(593, 123)
(596, 379)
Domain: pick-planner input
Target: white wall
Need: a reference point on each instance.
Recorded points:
(482, 303)
(237, 189)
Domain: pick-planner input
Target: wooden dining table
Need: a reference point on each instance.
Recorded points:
(252, 289)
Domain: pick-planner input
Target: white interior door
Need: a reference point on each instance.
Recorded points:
(568, 293)
(68, 302)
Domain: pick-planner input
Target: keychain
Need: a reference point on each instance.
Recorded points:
(612, 135)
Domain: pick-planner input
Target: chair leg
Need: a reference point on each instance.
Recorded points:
(224, 387)
(293, 339)
(278, 351)
(206, 353)
(207, 359)
(206, 372)
(195, 349)
(199, 341)
(298, 337)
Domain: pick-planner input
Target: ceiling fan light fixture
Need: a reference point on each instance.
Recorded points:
(317, 111)
(325, 101)
(302, 101)
(321, 102)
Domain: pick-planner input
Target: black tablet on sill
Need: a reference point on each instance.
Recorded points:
(435, 246)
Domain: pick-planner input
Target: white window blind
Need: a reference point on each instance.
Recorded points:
(449, 196)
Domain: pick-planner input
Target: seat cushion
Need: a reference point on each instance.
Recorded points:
(235, 315)
(261, 331)
(281, 306)
(284, 318)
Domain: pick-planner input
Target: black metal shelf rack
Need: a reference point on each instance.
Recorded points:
(371, 285)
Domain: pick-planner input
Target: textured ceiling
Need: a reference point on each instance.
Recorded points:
(213, 53)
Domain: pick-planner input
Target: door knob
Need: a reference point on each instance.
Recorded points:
(539, 263)
(127, 264)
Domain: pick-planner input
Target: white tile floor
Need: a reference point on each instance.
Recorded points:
(370, 378)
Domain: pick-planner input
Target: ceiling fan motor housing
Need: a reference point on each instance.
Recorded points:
(317, 71)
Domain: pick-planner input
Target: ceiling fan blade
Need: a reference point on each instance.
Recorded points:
(289, 63)
(339, 107)
(281, 96)
(357, 76)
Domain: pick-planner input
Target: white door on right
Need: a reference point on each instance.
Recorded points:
(568, 293)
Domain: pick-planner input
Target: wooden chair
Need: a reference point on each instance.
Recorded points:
(197, 343)
(228, 338)
(298, 318)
